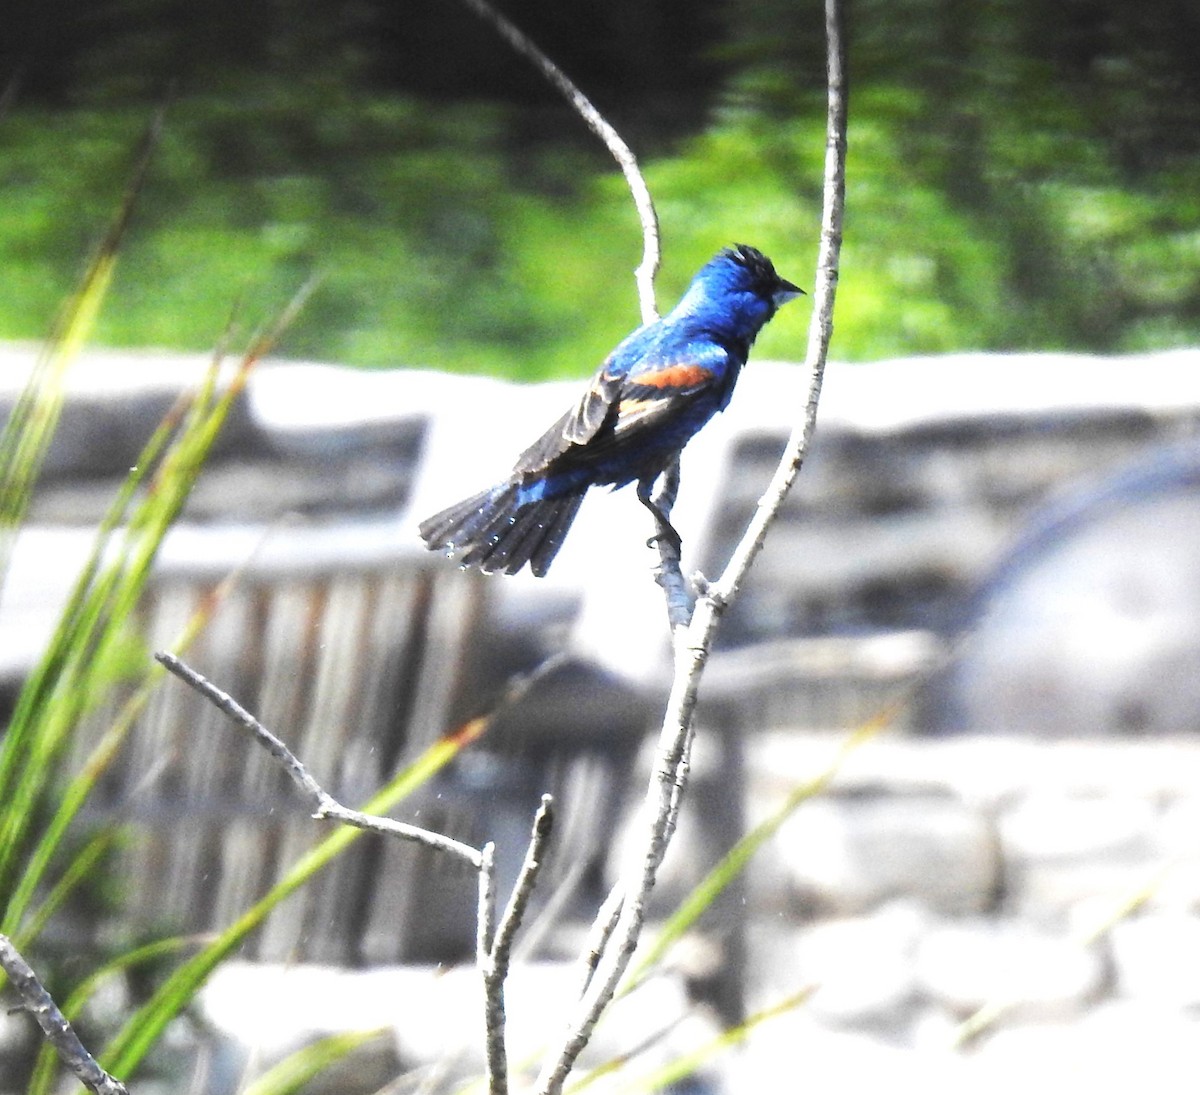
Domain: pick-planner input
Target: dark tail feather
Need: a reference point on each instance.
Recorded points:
(491, 531)
(458, 524)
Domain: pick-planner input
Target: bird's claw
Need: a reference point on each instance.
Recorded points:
(671, 538)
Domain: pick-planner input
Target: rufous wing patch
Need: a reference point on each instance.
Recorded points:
(674, 376)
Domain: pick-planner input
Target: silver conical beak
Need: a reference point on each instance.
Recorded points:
(786, 291)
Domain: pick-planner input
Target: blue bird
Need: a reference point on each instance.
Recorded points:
(647, 400)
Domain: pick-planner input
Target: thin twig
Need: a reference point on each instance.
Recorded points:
(694, 642)
(494, 949)
(596, 122)
(325, 805)
(820, 330)
(59, 1033)
(485, 921)
(495, 1051)
(518, 901)
(681, 773)
(641, 875)
(600, 933)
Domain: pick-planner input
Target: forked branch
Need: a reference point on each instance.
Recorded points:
(494, 943)
(324, 804)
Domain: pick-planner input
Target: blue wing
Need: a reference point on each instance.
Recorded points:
(662, 396)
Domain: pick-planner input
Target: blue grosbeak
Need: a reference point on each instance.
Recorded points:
(655, 390)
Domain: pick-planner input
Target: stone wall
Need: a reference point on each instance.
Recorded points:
(1048, 892)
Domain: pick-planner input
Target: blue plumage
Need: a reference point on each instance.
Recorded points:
(652, 394)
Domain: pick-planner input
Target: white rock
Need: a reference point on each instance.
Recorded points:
(864, 967)
(114, 399)
(795, 1053)
(1060, 850)
(1157, 958)
(849, 854)
(1116, 1048)
(1050, 827)
(1030, 972)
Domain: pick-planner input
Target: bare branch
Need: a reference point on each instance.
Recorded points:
(325, 805)
(681, 773)
(485, 920)
(693, 642)
(600, 933)
(518, 901)
(820, 331)
(495, 1051)
(494, 949)
(59, 1033)
(595, 121)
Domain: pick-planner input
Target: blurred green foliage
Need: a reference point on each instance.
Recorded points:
(1018, 179)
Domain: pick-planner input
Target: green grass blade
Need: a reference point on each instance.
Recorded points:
(42, 1080)
(80, 669)
(28, 432)
(76, 792)
(64, 637)
(26, 755)
(138, 1035)
(78, 871)
(42, 731)
(295, 1070)
(31, 426)
(77, 668)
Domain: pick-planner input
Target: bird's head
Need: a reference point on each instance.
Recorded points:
(740, 287)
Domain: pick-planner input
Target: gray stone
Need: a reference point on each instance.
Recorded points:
(849, 854)
(1028, 971)
(863, 967)
(114, 401)
(258, 1014)
(1046, 827)
(1060, 850)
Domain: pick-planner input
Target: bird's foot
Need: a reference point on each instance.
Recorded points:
(666, 534)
